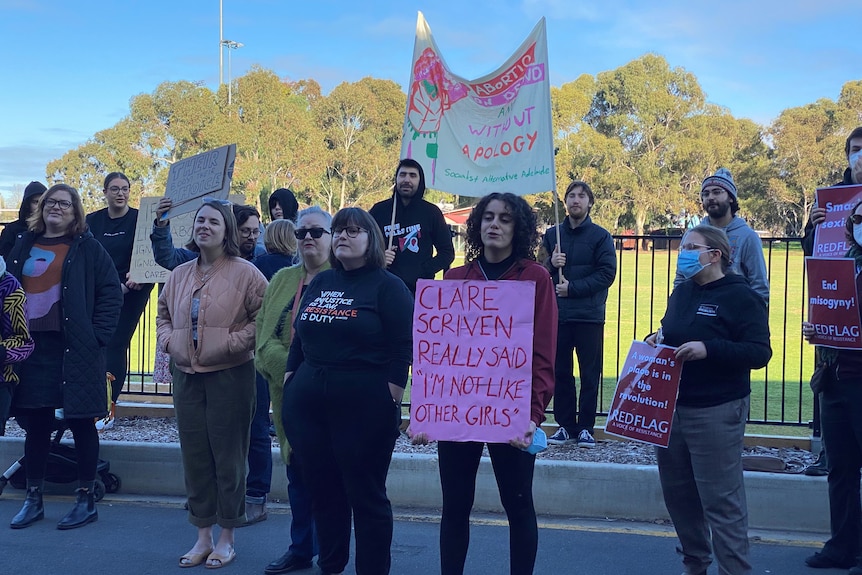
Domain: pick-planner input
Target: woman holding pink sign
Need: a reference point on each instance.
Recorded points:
(720, 329)
(501, 243)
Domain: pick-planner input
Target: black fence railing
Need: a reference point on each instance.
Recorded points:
(636, 304)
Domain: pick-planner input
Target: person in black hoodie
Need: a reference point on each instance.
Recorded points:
(720, 329)
(417, 230)
(32, 193)
(283, 205)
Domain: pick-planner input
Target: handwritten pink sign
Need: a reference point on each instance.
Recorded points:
(472, 359)
(833, 302)
(838, 201)
(645, 398)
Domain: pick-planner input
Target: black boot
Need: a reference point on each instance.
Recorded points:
(31, 512)
(82, 513)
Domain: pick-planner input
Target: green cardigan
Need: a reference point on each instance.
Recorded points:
(271, 350)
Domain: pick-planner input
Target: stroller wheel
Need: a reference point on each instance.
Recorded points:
(112, 482)
(98, 490)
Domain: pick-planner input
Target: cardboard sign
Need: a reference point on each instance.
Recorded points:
(472, 359)
(645, 397)
(829, 240)
(204, 175)
(144, 268)
(833, 302)
(491, 134)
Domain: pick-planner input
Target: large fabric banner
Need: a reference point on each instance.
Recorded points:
(491, 134)
(472, 359)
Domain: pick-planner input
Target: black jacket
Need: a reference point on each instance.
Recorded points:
(731, 320)
(591, 266)
(419, 230)
(91, 298)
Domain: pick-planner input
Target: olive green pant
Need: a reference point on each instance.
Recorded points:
(214, 412)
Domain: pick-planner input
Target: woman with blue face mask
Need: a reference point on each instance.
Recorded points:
(719, 327)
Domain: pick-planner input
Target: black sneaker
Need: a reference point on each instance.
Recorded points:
(818, 468)
(585, 439)
(561, 437)
(821, 561)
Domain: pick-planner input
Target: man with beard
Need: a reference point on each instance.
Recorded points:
(718, 196)
(418, 229)
(584, 266)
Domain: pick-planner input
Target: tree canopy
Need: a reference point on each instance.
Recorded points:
(643, 135)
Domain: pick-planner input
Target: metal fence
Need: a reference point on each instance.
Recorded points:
(646, 267)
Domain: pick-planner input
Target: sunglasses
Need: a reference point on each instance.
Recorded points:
(856, 219)
(316, 233)
(209, 200)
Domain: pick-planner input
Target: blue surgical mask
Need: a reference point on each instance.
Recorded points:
(857, 233)
(688, 263)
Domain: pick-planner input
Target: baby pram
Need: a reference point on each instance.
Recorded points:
(62, 469)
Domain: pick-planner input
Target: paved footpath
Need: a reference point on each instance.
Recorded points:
(146, 537)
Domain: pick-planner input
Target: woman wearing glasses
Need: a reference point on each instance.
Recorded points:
(73, 304)
(206, 321)
(719, 327)
(114, 228)
(274, 334)
(345, 376)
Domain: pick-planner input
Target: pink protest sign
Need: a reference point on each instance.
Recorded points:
(829, 240)
(833, 302)
(472, 359)
(643, 404)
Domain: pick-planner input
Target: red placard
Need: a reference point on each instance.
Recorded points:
(829, 240)
(643, 404)
(833, 302)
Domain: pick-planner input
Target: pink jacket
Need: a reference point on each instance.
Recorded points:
(544, 326)
(230, 296)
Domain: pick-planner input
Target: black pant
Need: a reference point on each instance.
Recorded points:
(117, 351)
(841, 422)
(585, 339)
(342, 426)
(39, 424)
(513, 469)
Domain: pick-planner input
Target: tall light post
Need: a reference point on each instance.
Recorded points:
(230, 45)
(220, 47)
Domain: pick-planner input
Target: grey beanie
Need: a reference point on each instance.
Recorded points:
(723, 179)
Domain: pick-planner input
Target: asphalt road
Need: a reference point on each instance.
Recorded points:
(136, 537)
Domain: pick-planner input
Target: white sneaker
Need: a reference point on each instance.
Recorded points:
(105, 423)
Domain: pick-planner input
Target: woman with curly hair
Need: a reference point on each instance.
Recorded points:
(502, 237)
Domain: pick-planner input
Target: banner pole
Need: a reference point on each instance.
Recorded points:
(392, 223)
(557, 227)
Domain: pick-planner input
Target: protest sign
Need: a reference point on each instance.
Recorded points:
(491, 134)
(204, 175)
(472, 359)
(144, 268)
(838, 201)
(833, 302)
(645, 397)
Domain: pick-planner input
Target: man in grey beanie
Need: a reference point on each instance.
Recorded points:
(718, 196)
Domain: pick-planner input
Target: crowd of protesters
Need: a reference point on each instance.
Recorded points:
(244, 329)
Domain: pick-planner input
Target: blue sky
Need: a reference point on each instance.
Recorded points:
(69, 68)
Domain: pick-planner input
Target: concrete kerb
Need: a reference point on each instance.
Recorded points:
(777, 502)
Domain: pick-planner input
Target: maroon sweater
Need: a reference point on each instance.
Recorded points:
(544, 330)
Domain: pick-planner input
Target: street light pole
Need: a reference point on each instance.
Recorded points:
(230, 45)
(220, 44)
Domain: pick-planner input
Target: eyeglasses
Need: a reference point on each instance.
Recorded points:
(119, 190)
(856, 219)
(316, 233)
(62, 204)
(251, 232)
(691, 247)
(351, 231)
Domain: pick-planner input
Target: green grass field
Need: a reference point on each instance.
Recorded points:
(635, 306)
